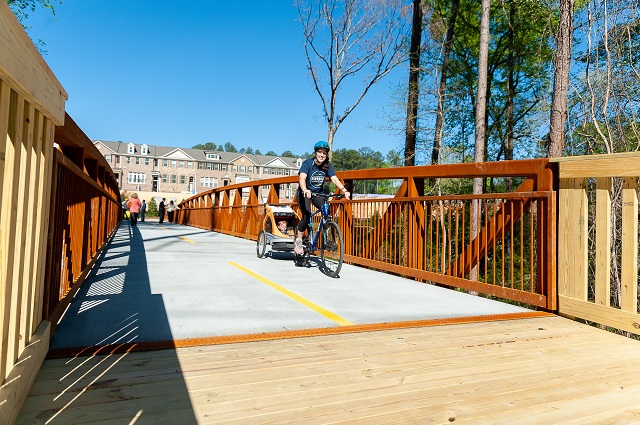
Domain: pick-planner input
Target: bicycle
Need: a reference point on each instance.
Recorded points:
(331, 245)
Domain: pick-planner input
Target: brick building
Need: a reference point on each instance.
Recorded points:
(149, 168)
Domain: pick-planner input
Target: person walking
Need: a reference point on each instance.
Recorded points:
(312, 175)
(143, 210)
(134, 205)
(161, 211)
(171, 209)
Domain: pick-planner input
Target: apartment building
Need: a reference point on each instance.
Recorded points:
(149, 168)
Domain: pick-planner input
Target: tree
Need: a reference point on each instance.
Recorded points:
(152, 208)
(561, 79)
(21, 9)
(288, 154)
(209, 146)
(442, 88)
(347, 40)
(414, 87)
(228, 147)
(481, 105)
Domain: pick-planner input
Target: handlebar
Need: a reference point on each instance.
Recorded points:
(328, 196)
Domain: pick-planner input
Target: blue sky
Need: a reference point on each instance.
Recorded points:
(181, 73)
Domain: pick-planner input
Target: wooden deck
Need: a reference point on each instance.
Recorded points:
(547, 370)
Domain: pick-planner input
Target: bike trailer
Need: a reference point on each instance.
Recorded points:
(280, 240)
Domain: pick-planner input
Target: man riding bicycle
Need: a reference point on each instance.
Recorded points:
(313, 173)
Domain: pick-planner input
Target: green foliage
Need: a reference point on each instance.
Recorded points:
(152, 208)
(228, 147)
(21, 9)
(209, 146)
(520, 55)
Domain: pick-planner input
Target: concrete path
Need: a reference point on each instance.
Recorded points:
(169, 282)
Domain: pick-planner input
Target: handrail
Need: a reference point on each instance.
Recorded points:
(34, 184)
(425, 237)
(598, 244)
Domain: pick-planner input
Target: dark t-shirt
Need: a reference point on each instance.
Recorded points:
(315, 175)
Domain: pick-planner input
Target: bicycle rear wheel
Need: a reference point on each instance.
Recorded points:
(332, 249)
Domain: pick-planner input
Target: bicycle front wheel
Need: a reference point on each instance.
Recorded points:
(332, 249)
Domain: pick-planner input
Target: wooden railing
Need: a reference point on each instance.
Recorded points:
(425, 237)
(598, 239)
(31, 169)
(85, 212)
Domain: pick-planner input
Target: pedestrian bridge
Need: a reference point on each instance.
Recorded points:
(452, 307)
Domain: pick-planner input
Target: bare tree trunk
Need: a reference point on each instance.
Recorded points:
(511, 94)
(481, 107)
(561, 79)
(414, 90)
(437, 140)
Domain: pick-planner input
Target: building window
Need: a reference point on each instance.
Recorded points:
(147, 161)
(127, 159)
(136, 178)
(234, 168)
(216, 167)
(174, 163)
(250, 169)
(164, 178)
(137, 160)
(213, 156)
(144, 150)
(223, 167)
(189, 164)
(165, 162)
(183, 180)
(208, 182)
(131, 148)
(201, 165)
(181, 164)
(107, 157)
(173, 178)
(243, 169)
(209, 166)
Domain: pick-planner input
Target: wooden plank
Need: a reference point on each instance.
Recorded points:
(581, 239)
(5, 101)
(608, 316)
(19, 286)
(44, 210)
(17, 385)
(565, 227)
(603, 242)
(28, 202)
(37, 189)
(629, 262)
(8, 233)
(471, 373)
(611, 165)
(22, 66)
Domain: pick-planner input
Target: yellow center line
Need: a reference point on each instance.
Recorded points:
(187, 239)
(326, 313)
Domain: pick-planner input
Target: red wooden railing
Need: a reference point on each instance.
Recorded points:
(422, 235)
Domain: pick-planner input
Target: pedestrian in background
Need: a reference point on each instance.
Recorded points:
(143, 210)
(171, 209)
(134, 205)
(161, 211)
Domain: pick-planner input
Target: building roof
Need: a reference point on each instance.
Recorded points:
(189, 154)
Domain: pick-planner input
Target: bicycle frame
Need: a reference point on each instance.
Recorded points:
(314, 236)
